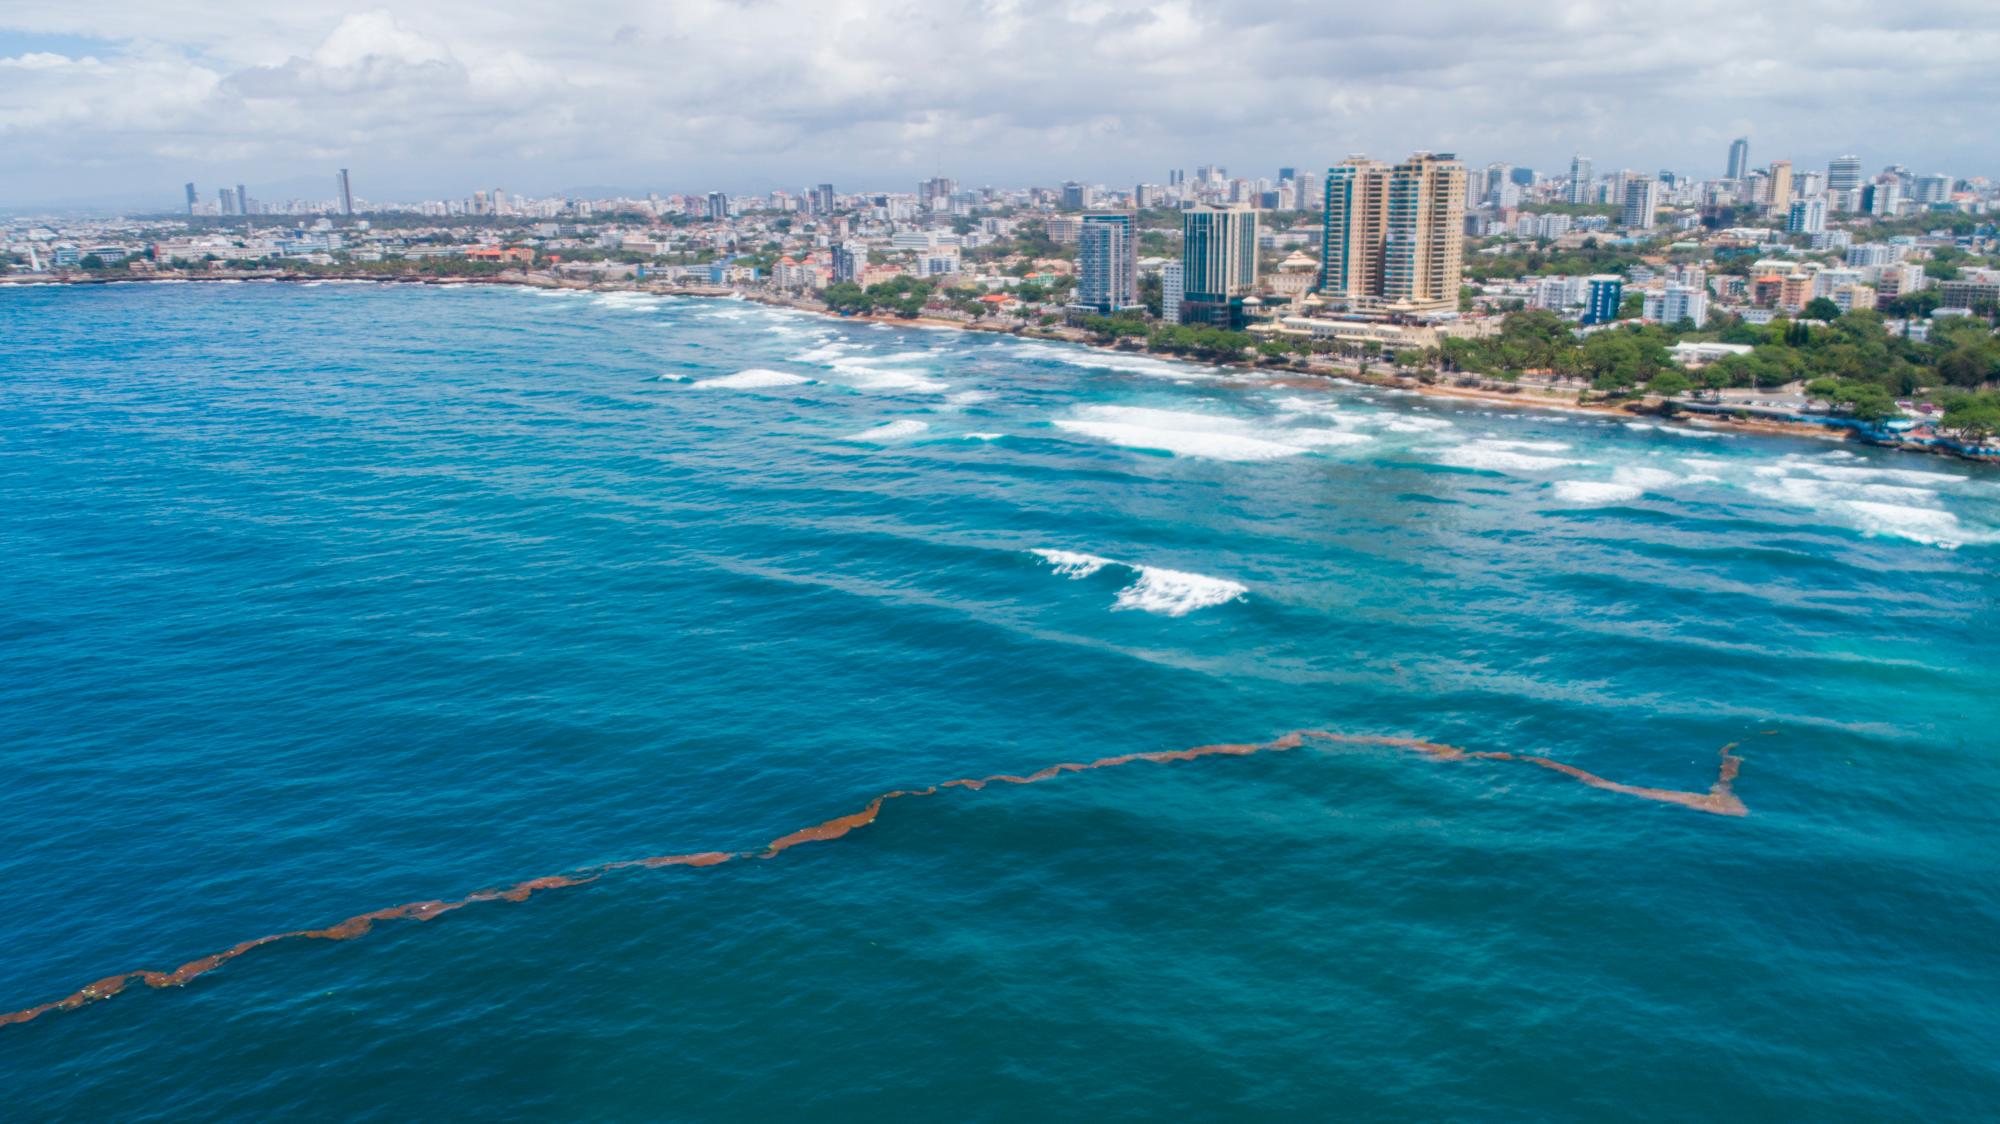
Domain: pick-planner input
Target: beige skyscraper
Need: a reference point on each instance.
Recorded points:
(1781, 185)
(1394, 235)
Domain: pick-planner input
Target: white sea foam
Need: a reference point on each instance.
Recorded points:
(984, 436)
(1647, 479)
(1073, 564)
(1927, 525)
(1860, 498)
(1119, 361)
(866, 376)
(1182, 433)
(1529, 446)
(1911, 476)
(756, 378)
(963, 398)
(1396, 424)
(1594, 491)
(1176, 593)
(1154, 589)
(824, 353)
(901, 430)
(1318, 407)
(625, 302)
(1324, 438)
(1492, 456)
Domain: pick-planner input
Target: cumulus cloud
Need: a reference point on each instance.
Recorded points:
(750, 94)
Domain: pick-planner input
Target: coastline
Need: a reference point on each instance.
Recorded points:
(1308, 377)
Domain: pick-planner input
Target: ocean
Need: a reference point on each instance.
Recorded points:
(554, 648)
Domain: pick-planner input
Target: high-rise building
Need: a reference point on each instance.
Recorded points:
(192, 199)
(1172, 287)
(1932, 189)
(1739, 158)
(1393, 236)
(1524, 177)
(1306, 189)
(1074, 197)
(934, 194)
(849, 259)
(1579, 179)
(1107, 258)
(1806, 216)
(1676, 303)
(1219, 264)
(1781, 185)
(823, 199)
(718, 205)
(1843, 173)
(1287, 174)
(346, 192)
(1641, 202)
(225, 200)
(1884, 197)
(242, 200)
(1605, 296)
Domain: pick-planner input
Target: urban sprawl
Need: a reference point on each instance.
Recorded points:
(1770, 295)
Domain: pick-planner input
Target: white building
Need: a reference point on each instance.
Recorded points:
(1558, 293)
(1808, 216)
(1676, 303)
(1173, 285)
(1642, 202)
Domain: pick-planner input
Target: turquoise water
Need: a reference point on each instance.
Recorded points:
(320, 600)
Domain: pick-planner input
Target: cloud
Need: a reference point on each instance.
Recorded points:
(751, 94)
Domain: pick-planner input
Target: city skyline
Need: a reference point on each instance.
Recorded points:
(424, 103)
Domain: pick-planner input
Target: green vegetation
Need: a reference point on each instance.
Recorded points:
(1868, 401)
(1973, 416)
(905, 296)
(1213, 344)
(1851, 362)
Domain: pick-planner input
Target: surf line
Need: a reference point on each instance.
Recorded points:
(1720, 799)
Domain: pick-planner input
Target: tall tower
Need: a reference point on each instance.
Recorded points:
(1394, 235)
(1218, 264)
(1641, 202)
(1107, 257)
(1739, 158)
(242, 200)
(346, 192)
(1579, 179)
(1781, 185)
(191, 198)
(1843, 173)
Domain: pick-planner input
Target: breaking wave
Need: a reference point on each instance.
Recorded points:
(1154, 589)
(756, 378)
(901, 430)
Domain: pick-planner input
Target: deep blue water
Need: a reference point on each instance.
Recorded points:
(323, 599)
